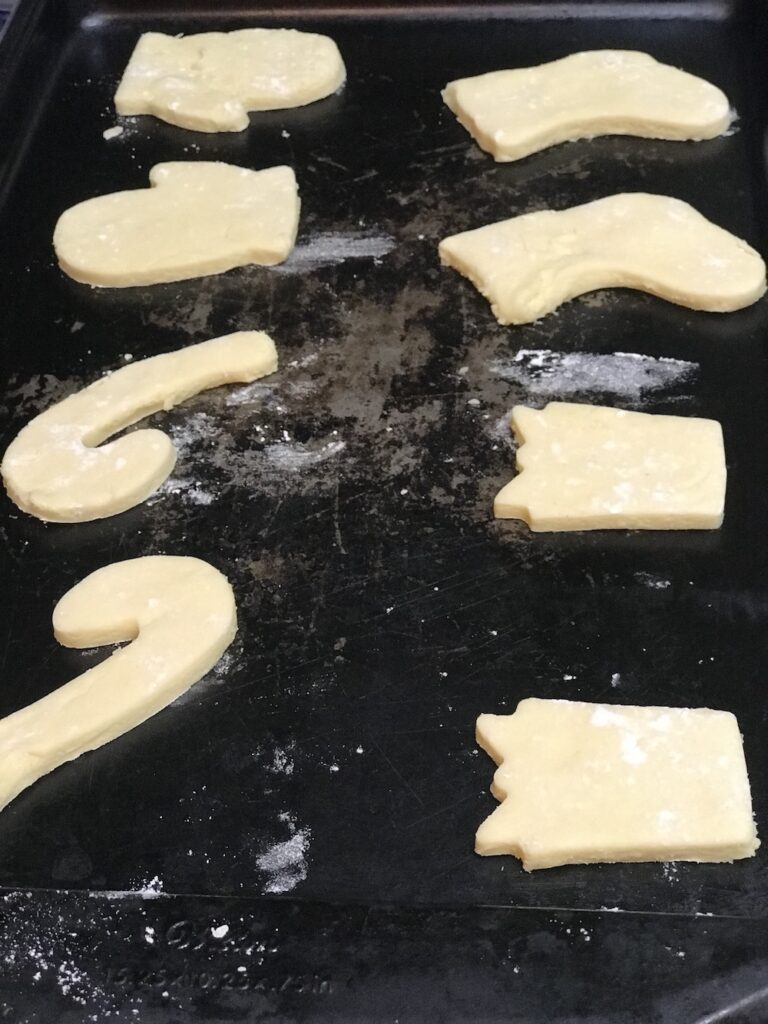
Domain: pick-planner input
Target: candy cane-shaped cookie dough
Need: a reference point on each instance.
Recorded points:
(54, 469)
(180, 614)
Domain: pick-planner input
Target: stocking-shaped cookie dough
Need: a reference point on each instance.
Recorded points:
(597, 92)
(528, 265)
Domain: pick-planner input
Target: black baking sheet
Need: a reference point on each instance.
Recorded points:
(219, 960)
(331, 756)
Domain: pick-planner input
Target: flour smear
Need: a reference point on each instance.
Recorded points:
(211, 458)
(544, 373)
(285, 862)
(328, 248)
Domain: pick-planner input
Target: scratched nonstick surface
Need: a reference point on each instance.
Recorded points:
(348, 498)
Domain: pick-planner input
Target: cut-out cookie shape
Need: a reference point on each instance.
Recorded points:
(195, 219)
(587, 467)
(180, 614)
(208, 82)
(54, 470)
(511, 114)
(528, 265)
(584, 783)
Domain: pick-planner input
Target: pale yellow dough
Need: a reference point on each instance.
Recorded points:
(195, 219)
(586, 467)
(180, 614)
(54, 469)
(208, 82)
(511, 114)
(528, 265)
(584, 783)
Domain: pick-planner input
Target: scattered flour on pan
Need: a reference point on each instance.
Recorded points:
(197, 428)
(191, 490)
(249, 393)
(328, 248)
(38, 949)
(295, 456)
(501, 429)
(205, 444)
(649, 579)
(151, 890)
(627, 375)
(308, 360)
(282, 761)
(218, 675)
(285, 862)
(273, 392)
(670, 872)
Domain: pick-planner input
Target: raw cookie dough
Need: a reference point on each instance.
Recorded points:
(528, 265)
(599, 92)
(53, 469)
(208, 82)
(195, 219)
(180, 614)
(583, 783)
(587, 467)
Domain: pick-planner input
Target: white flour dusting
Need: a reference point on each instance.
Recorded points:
(328, 248)
(501, 429)
(285, 862)
(203, 442)
(295, 456)
(648, 579)
(627, 375)
(252, 392)
(196, 428)
(72, 982)
(670, 871)
(224, 664)
(282, 761)
(36, 948)
(151, 890)
(190, 490)
(218, 674)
